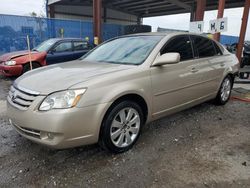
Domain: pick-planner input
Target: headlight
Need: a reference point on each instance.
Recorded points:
(10, 63)
(62, 99)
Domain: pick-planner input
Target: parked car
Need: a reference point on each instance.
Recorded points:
(49, 52)
(246, 55)
(110, 93)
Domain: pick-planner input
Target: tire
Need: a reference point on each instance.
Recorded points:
(26, 67)
(117, 134)
(224, 93)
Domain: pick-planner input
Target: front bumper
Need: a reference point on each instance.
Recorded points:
(14, 70)
(59, 129)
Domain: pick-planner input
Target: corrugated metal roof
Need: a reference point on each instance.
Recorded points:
(149, 8)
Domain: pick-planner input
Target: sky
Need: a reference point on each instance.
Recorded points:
(179, 21)
(21, 7)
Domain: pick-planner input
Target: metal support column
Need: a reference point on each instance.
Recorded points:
(221, 9)
(105, 14)
(192, 13)
(243, 29)
(97, 21)
(139, 20)
(200, 10)
(51, 11)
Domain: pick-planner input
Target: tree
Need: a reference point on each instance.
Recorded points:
(33, 14)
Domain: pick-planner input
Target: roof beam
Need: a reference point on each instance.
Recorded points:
(153, 7)
(180, 4)
(122, 2)
(159, 13)
(141, 3)
(148, 5)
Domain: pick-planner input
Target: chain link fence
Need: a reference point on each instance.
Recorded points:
(14, 30)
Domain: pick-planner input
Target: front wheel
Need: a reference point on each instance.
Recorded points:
(121, 127)
(224, 93)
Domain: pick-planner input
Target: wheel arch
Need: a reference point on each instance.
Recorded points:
(231, 75)
(130, 97)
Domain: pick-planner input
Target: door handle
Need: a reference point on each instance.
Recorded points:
(194, 70)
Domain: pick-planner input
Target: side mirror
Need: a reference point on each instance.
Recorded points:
(168, 58)
(52, 51)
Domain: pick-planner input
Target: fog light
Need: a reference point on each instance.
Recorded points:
(50, 135)
(46, 135)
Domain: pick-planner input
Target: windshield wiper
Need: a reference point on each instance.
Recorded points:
(117, 62)
(125, 63)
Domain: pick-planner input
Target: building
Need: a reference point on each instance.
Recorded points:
(132, 11)
(82, 10)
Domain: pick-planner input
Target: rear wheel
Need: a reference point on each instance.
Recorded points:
(27, 68)
(224, 93)
(121, 127)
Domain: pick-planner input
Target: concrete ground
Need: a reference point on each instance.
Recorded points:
(206, 146)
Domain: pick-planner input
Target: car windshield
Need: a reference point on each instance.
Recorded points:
(45, 46)
(125, 50)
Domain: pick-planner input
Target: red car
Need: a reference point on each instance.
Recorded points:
(49, 52)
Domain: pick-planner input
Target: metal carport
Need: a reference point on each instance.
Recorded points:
(150, 8)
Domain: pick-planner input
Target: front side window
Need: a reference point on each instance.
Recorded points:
(181, 45)
(203, 46)
(125, 50)
(63, 47)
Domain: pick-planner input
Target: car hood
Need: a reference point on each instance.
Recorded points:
(13, 55)
(63, 76)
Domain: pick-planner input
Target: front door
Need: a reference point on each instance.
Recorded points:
(62, 52)
(177, 84)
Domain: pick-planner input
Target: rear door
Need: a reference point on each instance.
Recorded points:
(208, 62)
(61, 52)
(218, 64)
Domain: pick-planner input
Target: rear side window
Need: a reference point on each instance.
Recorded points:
(203, 47)
(181, 45)
(80, 45)
(217, 49)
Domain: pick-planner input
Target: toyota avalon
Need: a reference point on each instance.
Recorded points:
(110, 93)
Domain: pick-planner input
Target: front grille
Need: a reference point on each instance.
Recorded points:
(20, 99)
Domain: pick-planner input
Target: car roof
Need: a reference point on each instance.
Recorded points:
(172, 34)
(66, 39)
(165, 34)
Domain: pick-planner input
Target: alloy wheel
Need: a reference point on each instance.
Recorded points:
(125, 127)
(226, 89)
